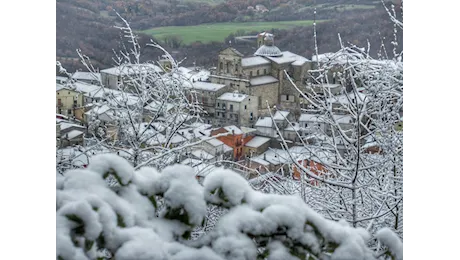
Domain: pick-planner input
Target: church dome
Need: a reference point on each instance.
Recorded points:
(268, 49)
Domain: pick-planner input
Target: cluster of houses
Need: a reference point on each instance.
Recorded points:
(235, 97)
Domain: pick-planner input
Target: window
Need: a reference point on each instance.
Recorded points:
(250, 73)
(59, 102)
(58, 93)
(228, 67)
(257, 72)
(69, 111)
(245, 107)
(231, 107)
(218, 104)
(221, 67)
(218, 113)
(287, 97)
(265, 71)
(69, 92)
(75, 102)
(236, 67)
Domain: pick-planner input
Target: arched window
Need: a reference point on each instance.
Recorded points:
(228, 67)
(221, 67)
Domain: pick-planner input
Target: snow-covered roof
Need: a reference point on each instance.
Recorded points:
(268, 51)
(346, 98)
(275, 156)
(59, 86)
(62, 79)
(247, 130)
(257, 141)
(260, 161)
(65, 125)
(234, 97)
(233, 129)
(294, 127)
(264, 122)
(254, 61)
(227, 148)
(83, 75)
(207, 86)
(130, 69)
(263, 80)
(98, 110)
(343, 119)
(322, 57)
(317, 154)
(155, 106)
(231, 78)
(310, 118)
(280, 115)
(85, 87)
(214, 142)
(73, 134)
(193, 74)
(202, 154)
(288, 57)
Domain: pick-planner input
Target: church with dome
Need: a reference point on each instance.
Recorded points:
(262, 74)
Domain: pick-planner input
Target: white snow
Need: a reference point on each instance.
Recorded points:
(83, 75)
(233, 97)
(264, 122)
(182, 190)
(73, 134)
(104, 163)
(207, 86)
(257, 141)
(248, 130)
(233, 129)
(294, 127)
(202, 154)
(130, 69)
(289, 57)
(254, 61)
(214, 142)
(387, 237)
(260, 161)
(261, 80)
(85, 194)
(311, 118)
(281, 115)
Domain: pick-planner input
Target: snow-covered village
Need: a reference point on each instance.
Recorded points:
(267, 155)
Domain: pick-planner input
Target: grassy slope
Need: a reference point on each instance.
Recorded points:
(219, 31)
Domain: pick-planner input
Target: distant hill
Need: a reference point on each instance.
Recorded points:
(88, 25)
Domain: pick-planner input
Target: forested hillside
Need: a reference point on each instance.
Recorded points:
(88, 25)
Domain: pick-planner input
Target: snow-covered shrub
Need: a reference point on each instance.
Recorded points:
(98, 221)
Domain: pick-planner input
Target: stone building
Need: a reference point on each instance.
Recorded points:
(262, 75)
(236, 109)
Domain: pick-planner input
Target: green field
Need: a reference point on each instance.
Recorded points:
(218, 31)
